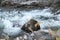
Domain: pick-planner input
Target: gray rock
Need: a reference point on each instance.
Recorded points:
(37, 35)
(40, 35)
(29, 2)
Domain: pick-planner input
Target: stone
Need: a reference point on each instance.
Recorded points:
(41, 35)
(31, 26)
(35, 3)
(25, 37)
(58, 33)
(2, 39)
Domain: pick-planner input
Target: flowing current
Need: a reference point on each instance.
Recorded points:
(45, 17)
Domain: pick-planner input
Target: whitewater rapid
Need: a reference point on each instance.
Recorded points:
(45, 17)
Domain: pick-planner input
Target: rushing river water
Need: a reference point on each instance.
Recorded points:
(45, 17)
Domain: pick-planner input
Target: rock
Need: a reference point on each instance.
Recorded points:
(55, 34)
(4, 36)
(56, 4)
(28, 3)
(0, 1)
(41, 35)
(57, 12)
(31, 26)
(5, 3)
(36, 35)
(57, 38)
(25, 37)
(2, 39)
(58, 33)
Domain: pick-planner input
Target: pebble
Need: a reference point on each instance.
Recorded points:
(32, 34)
(25, 36)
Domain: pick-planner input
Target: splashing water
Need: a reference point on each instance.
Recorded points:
(45, 17)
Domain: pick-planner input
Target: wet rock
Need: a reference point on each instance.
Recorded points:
(41, 35)
(31, 26)
(55, 28)
(57, 12)
(4, 37)
(56, 4)
(36, 35)
(26, 3)
(0, 1)
(58, 33)
(5, 3)
(31, 3)
(55, 34)
(24, 36)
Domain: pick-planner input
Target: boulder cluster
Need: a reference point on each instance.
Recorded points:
(30, 3)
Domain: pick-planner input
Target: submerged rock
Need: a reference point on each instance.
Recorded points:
(31, 26)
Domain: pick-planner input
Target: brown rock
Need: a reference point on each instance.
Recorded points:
(31, 26)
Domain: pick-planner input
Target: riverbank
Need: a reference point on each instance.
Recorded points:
(31, 4)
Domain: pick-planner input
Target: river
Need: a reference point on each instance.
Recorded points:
(45, 17)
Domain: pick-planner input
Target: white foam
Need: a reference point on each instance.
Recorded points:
(9, 29)
(27, 15)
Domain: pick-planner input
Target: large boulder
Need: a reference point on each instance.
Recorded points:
(31, 26)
